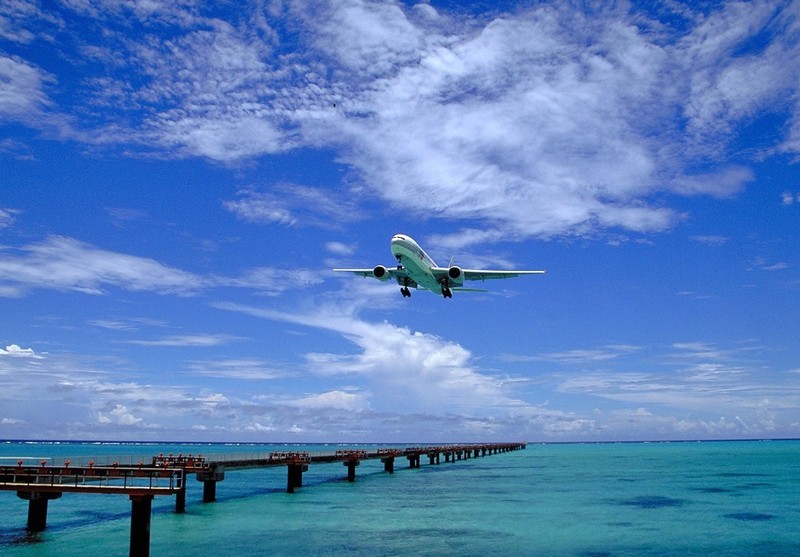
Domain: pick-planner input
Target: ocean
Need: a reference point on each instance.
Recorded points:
(645, 499)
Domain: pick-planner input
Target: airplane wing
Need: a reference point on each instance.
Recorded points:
(479, 274)
(383, 274)
(485, 274)
(359, 272)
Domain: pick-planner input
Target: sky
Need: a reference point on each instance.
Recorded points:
(179, 177)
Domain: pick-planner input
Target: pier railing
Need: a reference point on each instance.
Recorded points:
(90, 478)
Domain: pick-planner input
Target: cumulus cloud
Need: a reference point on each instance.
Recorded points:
(118, 415)
(432, 374)
(333, 399)
(15, 351)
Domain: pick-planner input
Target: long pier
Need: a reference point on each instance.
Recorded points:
(167, 475)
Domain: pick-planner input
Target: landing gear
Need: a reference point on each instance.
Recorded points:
(446, 292)
(404, 284)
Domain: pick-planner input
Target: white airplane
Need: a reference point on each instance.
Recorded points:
(415, 269)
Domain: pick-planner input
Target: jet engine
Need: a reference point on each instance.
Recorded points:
(455, 275)
(381, 273)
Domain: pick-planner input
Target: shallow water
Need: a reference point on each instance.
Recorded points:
(711, 498)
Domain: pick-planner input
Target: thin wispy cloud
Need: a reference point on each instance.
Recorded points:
(198, 340)
(243, 369)
(292, 205)
(66, 264)
(577, 356)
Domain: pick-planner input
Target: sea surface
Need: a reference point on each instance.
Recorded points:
(644, 499)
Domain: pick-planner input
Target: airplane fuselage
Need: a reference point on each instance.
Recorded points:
(415, 261)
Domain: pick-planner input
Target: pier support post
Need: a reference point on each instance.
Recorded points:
(209, 491)
(388, 464)
(295, 476)
(141, 507)
(351, 469)
(413, 460)
(210, 476)
(37, 508)
(180, 497)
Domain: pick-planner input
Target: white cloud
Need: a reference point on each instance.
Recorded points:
(187, 340)
(246, 369)
(7, 217)
(60, 263)
(271, 281)
(789, 198)
(65, 264)
(292, 204)
(11, 421)
(577, 356)
(119, 415)
(15, 351)
(333, 399)
(538, 122)
(710, 240)
(22, 96)
(406, 371)
(339, 248)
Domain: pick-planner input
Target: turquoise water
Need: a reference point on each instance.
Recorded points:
(711, 498)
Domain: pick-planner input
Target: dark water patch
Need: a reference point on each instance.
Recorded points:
(713, 490)
(751, 517)
(652, 502)
(740, 475)
(514, 501)
(596, 554)
(19, 536)
(757, 485)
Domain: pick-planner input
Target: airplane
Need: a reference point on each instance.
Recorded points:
(415, 269)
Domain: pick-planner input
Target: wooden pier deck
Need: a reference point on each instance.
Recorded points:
(167, 475)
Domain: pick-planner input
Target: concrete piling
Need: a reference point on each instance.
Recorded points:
(295, 476)
(37, 508)
(210, 476)
(351, 469)
(141, 512)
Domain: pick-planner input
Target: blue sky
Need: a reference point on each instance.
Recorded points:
(177, 179)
